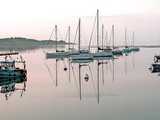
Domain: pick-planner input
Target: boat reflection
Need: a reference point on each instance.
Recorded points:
(90, 76)
(9, 85)
(86, 73)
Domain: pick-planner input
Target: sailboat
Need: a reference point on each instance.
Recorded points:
(80, 54)
(115, 51)
(126, 50)
(101, 52)
(57, 53)
(133, 48)
(108, 48)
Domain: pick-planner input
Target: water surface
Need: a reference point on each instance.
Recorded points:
(127, 90)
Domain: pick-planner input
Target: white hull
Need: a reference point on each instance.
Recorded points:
(71, 53)
(56, 55)
(103, 54)
(81, 56)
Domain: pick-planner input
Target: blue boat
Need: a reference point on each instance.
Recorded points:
(9, 68)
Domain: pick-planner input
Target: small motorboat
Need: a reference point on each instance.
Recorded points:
(155, 67)
(10, 68)
(157, 58)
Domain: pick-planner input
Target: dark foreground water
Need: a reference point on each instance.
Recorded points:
(127, 90)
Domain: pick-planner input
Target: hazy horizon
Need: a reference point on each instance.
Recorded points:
(146, 28)
(36, 19)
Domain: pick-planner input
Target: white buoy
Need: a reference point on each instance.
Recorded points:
(86, 77)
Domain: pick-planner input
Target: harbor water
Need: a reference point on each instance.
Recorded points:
(125, 90)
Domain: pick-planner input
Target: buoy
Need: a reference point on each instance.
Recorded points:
(65, 69)
(86, 77)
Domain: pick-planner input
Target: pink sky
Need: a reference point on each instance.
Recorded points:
(36, 18)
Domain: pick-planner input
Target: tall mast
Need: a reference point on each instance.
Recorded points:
(69, 29)
(125, 37)
(98, 30)
(113, 35)
(106, 38)
(102, 36)
(79, 35)
(56, 36)
(133, 39)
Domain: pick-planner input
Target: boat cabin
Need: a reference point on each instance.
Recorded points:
(7, 64)
(157, 58)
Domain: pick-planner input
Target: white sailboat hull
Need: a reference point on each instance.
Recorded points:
(81, 56)
(57, 55)
(103, 54)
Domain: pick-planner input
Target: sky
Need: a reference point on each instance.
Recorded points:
(36, 18)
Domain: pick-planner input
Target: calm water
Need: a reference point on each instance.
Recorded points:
(127, 90)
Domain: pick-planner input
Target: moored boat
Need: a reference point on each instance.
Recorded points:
(10, 68)
(117, 52)
(57, 53)
(80, 54)
(155, 67)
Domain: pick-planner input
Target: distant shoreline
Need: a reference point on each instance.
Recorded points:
(21, 43)
(23, 39)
